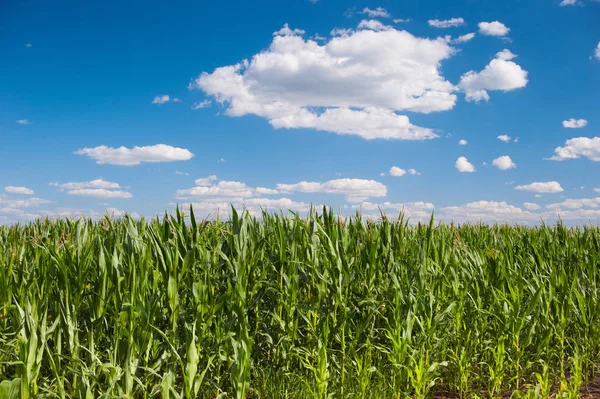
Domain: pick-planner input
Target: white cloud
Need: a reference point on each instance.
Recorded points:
(463, 38)
(266, 191)
(206, 181)
(493, 28)
(95, 184)
(568, 3)
(477, 95)
(222, 206)
(577, 147)
(28, 45)
(100, 193)
(542, 187)
(378, 12)
(176, 100)
(369, 123)
(364, 75)
(575, 123)
(396, 171)
(499, 74)
(201, 104)
(161, 99)
(575, 204)
(401, 20)
(286, 31)
(414, 210)
(504, 137)
(463, 142)
(505, 55)
(373, 24)
(487, 211)
(446, 23)
(19, 190)
(222, 160)
(531, 206)
(177, 172)
(134, 156)
(94, 188)
(24, 122)
(504, 162)
(221, 189)
(6, 202)
(597, 51)
(355, 190)
(597, 190)
(463, 165)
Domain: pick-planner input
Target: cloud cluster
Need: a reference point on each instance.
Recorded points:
(161, 99)
(396, 171)
(446, 23)
(504, 162)
(494, 28)
(463, 165)
(134, 156)
(500, 74)
(18, 190)
(542, 187)
(577, 147)
(575, 123)
(98, 188)
(353, 84)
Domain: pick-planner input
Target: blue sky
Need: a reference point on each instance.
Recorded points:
(353, 104)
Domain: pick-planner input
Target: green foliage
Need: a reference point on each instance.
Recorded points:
(289, 307)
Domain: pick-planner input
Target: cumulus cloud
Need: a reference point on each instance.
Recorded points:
(134, 156)
(504, 162)
(495, 28)
(19, 190)
(373, 24)
(487, 211)
(575, 148)
(401, 20)
(414, 210)
(266, 191)
(463, 38)
(378, 12)
(531, 206)
(505, 55)
(94, 188)
(201, 104)
(504, 137)
(575, 123)
(597, 52)
(463, 165)
(24, 122)
(353, 84)
(6, 202)
(575, 204)
(499, 74)
(97, 183)
(355, 190)
(206, 181)
(100, 193)
(542, 187)
(568, 3)
(221, 189)
(396, 171)
(462, 142)
(446, 23)
(161, 99)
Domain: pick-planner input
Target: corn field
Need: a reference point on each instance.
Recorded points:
(283, 306)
